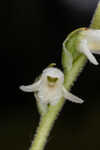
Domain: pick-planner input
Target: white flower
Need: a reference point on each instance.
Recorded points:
(90, 43)
(50, 89)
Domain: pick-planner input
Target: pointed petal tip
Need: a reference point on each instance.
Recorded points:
(25, 88)
(95, 62)
(81, 101)
(22, 88)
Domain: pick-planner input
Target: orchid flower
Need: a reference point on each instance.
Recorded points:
(90, 43)
(50, 88)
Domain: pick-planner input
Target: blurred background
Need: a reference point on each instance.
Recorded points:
(31, 34)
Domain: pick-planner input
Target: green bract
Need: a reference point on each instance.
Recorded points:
(70, 52)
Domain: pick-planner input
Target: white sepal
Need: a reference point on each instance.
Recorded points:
(31, 88)
(71, 97)
(83, 47)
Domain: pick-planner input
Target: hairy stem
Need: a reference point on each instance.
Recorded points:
(46, 123)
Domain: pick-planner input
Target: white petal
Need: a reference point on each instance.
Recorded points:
(31, 88)
(71, 97)
(83, 47)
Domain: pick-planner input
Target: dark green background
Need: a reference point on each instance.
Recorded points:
(31, 35)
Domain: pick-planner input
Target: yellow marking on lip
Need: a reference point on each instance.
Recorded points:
(52, 79)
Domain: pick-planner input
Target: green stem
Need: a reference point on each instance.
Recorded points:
(47, 121)
(95, 23)
(45, 126)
